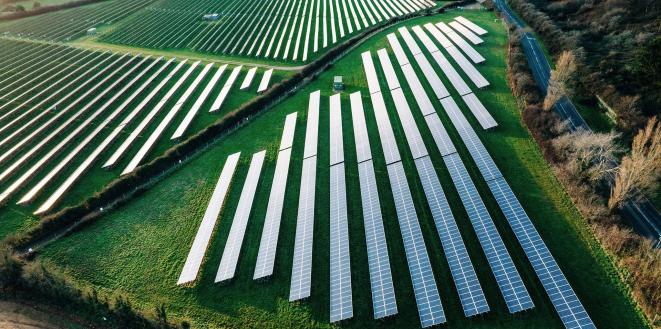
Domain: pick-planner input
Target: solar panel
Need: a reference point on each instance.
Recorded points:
(220, 99)
(481, 156)
(479, 111)
(301, 274)
(388, 143)
(455, 79)
(411, 131)
(341, 304)
(302, 264)
(424, 103)
(198, 104)
(386, 66)
(248, 79)
(427, 298)
(288, 132)
(564, 299)
(473, 74)
(384, 302)
(336, 144)
(269, 240)
(474, 39)
(442, 39)
(145, 121)
(201, 241)
(232, 250)
(383, 294)
(408, 39)
(363, 151)
(461, 43)
(508, 278)
(155, 135)
(266, 78)
(440, 135)
(474, 27)
(468, 286)
(370, 73)
(312, 128)
(397, 49)
(426, 41)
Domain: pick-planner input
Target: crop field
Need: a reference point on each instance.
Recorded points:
(139, 249)
(284, 30)
(72, 23)
(72, 120)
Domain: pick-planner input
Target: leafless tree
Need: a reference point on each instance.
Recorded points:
(639, 171)
(587, 154)
(559, 81)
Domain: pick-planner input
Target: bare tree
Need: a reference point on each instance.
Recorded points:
(587, 154)
(639, 171)
(559, 81)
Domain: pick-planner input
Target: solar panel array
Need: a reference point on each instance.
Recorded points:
(77, 174)
(473, 74)
(481, 114)
(564, 299)
(341, 304)
(430, 309)
(427, 70)
(150, 115)
(501, 263)
(384, 302)
(271, 230)
(201, 241)
(198, 103)
(508, 278)
(461, 43)
(468, 287)
(62, 163)
(156, 134)
(426, 293)
(474, 39)
(232, 250)
(301, 273)
(472, 26)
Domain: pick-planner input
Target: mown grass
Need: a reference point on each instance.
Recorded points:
(139, 249)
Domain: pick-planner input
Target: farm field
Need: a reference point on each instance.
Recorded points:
(139, 249)
(66, 112)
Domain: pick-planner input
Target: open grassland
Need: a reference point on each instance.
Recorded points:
(17, 98)
(139, 249)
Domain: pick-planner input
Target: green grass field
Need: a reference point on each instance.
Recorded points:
(139, 249)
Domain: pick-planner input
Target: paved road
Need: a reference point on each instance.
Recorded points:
(644, 217)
